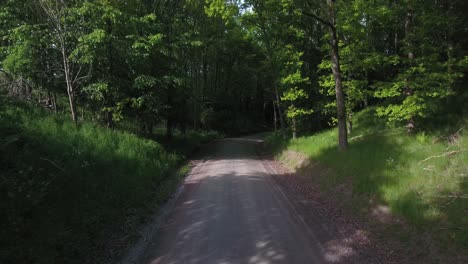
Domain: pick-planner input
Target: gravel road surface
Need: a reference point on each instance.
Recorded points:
(231, 211)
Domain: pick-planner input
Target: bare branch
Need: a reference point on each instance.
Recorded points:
(55, 165)
(321, 20)
(78, 79)
(450, 153)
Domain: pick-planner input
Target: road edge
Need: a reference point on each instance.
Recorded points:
(149, 231)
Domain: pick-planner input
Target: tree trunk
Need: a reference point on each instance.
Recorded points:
(109, 120)
(215, 86)
(396, 37)
(55, 103)
(69, 82)
(350, 123)
(183, 127)
(170, 115)
(205, 73)
(294, 128)
(336, 69)
(450, 46)
(409, 32)
(278, 105)
(169, 132)
(149, 126)
(71, 101)
(55, 16)
(70, 91)
(275, 121)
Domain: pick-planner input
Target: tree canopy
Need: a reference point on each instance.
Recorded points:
(237, 66)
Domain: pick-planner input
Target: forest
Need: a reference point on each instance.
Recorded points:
(94, 90)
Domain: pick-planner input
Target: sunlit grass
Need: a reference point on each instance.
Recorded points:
(385, 163)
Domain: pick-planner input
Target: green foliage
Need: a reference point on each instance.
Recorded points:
(89, 47)
(429, 83)
(24, 58)
(374, 50)
(234, 67)
(222, 9)
(74, 185)
(96, 91)
(411, 107)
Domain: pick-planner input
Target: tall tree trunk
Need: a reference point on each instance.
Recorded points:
(396, 38)
(71, 101)
(109, 120)
(169, 132)
(215, 86)
(450, 45)
(275, 121)
(55, 102)
(70, 88)
(205, 72)
(294, 127)
(55, 15)
(278, 105)
(350, 123)
(109, 100)
(170, 116)
(409, 34)
(336, 69)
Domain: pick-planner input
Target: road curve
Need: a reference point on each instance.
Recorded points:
(230, 211)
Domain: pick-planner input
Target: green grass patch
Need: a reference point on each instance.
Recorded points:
(422, 178)
(63, 187)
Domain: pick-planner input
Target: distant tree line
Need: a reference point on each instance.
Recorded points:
(298, 65)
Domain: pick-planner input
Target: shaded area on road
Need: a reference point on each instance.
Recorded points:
(232, 212)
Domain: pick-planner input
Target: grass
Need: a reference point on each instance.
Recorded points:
(65, 189)
(383, 163)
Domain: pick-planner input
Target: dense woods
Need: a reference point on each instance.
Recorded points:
(237, 65)
(161, 69)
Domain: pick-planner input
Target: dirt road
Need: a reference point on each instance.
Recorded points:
(231, 211)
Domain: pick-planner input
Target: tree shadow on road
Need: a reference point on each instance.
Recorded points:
(249, 218)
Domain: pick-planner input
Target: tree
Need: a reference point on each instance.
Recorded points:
(237, 65)
(64, 38)
(292, 82)
(423, 72)
(336, 68)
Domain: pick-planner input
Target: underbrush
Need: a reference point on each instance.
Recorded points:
(65, 188)
(422, 178)
(186, 144)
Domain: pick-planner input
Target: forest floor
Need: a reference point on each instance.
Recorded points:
(236, 207)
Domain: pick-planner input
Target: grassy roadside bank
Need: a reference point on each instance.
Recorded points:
(65, 191)
(412, 188)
